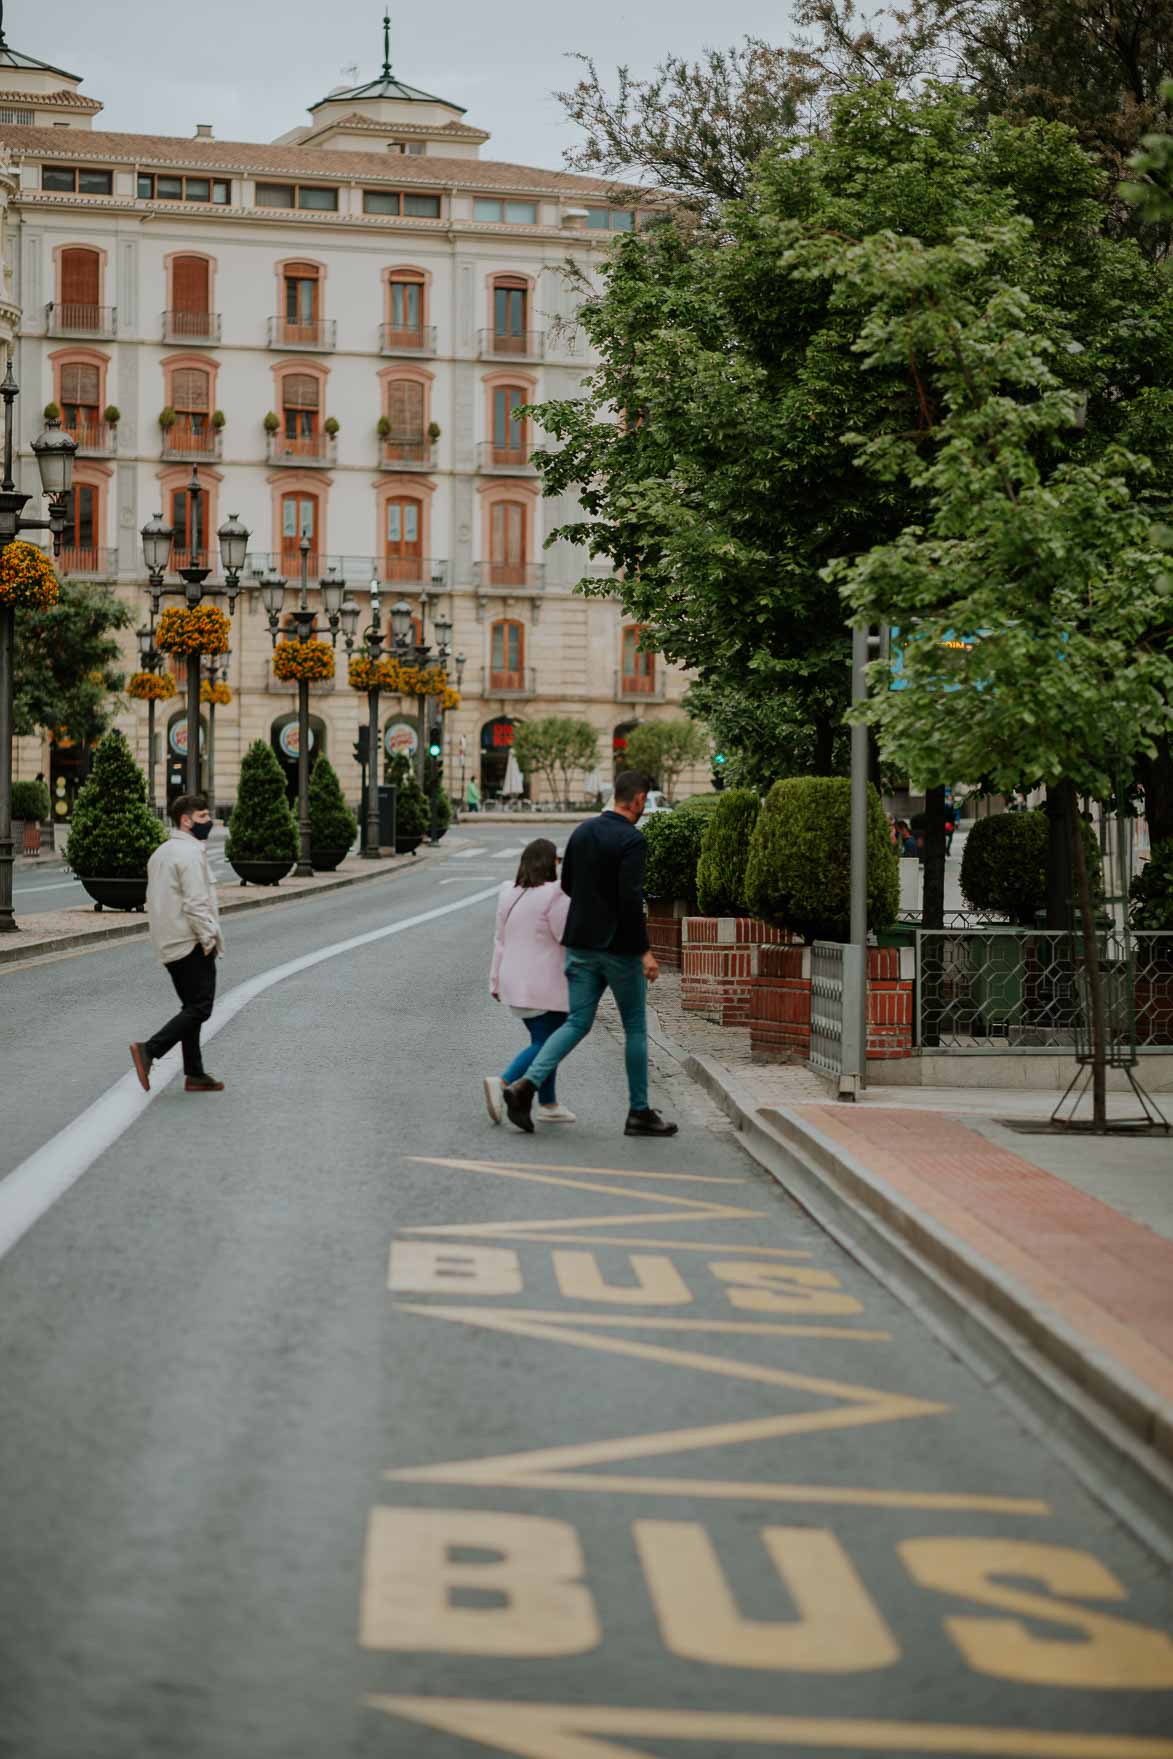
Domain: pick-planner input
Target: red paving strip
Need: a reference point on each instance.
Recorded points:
(1107, 1277)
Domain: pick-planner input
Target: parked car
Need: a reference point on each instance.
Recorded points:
(656, 802)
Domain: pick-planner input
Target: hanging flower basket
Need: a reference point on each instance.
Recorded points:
(203, 630)
(151, 686)
(218, 693)
(451, 698)
(26, 576)
(419, 680)
(368, 674)
(311, 660)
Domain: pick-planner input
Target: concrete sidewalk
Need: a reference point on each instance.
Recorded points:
(1050, 1255)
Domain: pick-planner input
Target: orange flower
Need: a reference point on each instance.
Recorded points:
(218, 693)
(26, 576)
(203, 630)
(312, 660)
(151, 686)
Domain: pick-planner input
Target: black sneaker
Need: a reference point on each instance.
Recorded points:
(519, 1100)
(648, 1123)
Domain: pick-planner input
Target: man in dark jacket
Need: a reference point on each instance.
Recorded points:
(606, 941)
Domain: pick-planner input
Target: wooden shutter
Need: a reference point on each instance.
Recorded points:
(80, 384)
(405, 409)
(189, 390)
(189, 285)
(80, 277)
(300, 391)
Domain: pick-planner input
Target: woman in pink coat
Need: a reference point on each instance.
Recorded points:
(528, 972)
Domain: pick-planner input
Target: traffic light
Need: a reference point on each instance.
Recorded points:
(360, 745)
(718, 770)
(435, 740)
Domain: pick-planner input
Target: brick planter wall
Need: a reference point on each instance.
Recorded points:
(664, 920)
(780, 1004)
(719, 961)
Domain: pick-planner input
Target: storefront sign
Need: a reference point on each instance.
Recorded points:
(400, 739)
(289, 740)
(177, 737)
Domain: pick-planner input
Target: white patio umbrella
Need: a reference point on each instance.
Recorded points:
(514, 782)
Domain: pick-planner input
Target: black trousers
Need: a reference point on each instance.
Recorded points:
(194, 977)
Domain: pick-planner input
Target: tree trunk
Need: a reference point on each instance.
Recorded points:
(1091, 956)
(1060, 887)
(933, 896)
(824, 747)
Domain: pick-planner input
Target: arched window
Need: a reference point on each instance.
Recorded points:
(189, 526)
(190, 297)
(639, 668)
(403, 543)
(191, 399)
(407, 438)
(302, 302)
(81, 289)
(81, 408)
(507, 655)
(507, 543)
(299, 519)
(301, 399)
(405, 311)
(510, 314)
(82, 534)
(510, 441)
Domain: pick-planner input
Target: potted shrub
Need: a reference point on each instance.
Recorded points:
(798, 871)
(219, 420)
(30, 809)
(52, 412)
(113, 833)
(167, 418)
(262, 834)
(434, 431)
(333, 827)
(272, 422)
(674, 847)
(411, 809)
(720, 874)
(112, 415)
(331, 425)
(383, 427)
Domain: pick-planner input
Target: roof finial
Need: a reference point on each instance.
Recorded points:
(386, 41)
(3, 39)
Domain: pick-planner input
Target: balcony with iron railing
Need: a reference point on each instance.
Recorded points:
(309, 450)
(407, 452)
(501, 345)
(394, 339)
(517, 684)
(95, 439)
(639, 686)
(413, 573)
(73, 319)
(516, 576)
(191, 326)
(506, 460)
(316, 334)
(194, 445)
(87, 562)
(420, 573)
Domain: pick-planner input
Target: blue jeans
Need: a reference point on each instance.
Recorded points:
(539, 1027)
(589, 973)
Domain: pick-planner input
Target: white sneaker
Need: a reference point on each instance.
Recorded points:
(494, 1087)
(556, 1114)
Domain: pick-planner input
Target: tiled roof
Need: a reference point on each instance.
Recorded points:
(45, 100)
(354, 119)
(247, 158)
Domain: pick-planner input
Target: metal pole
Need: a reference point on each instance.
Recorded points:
(305, 867)
(210, 788)
(151, 754)
(421, 753)
(859, 836)
(7, 643)
(193, 723)
(371, 850)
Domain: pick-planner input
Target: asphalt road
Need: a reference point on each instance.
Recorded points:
(37, 889)
(336, 1423)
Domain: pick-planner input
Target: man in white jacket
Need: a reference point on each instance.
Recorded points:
(185, 932)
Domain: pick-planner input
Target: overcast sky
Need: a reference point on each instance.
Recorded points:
(251, 67)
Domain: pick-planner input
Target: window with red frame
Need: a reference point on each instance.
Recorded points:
(507, 544)
(639, 668)
(507, 656)
(81, 413)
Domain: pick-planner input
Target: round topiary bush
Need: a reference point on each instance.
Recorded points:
(113, 833)
(262, 827)
(674, 847)
(798, 875)
(30, 800)
(412, 815)
(720, 874)
(1004, 867)
(1152, 890)
(332, 824)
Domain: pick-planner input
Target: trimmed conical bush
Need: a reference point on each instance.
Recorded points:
(332, 824)
(262, 828)
(114, 832)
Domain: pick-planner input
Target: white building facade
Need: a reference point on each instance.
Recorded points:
(335, 329)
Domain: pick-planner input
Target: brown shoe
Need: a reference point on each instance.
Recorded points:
(202, 1084)
(142, 1061)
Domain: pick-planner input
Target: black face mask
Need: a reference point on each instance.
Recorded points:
(201, 830)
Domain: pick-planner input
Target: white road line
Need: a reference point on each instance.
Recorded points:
(35, 1185)
(508, 854)
(53, 886)
(464, 879)
(467, 854)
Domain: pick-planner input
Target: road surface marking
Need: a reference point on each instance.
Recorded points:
(466, 854)
(521, 1233)
(36, 1184)
(539, 1166)
(569, 1731)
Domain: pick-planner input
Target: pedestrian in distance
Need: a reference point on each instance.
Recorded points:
(185, 932)
(472, 796)
(606, 942)
(528, 969)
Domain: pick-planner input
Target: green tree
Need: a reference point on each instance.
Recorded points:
(798, 873)
(663, 750)
(720, 875)
(556, 747)
(332, 824)
(262, 826)
(113, 833)
(412, 814)
(68, 668)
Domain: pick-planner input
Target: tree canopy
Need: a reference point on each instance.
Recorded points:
(68, 663)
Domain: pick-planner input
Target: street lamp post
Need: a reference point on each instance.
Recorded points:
(54, 452)
(373, 642)
(214, 672)
(157, 539)
(149, 654)
(306, 623)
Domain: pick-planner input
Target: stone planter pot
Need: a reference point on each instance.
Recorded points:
(261, 873)
(326, 860)
(116, 894)
(407, 845)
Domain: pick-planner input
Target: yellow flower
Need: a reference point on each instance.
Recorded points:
(218, 693)
(151, 686)
(26, 576)
(312, 660)
(203, 630)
